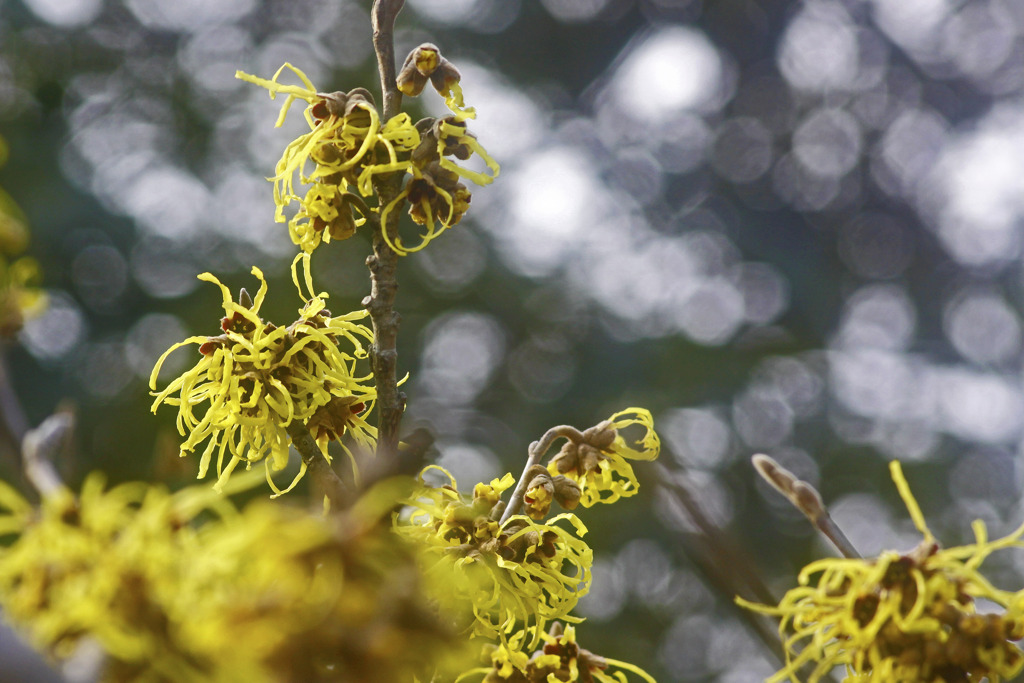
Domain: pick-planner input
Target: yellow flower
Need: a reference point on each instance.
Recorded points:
(171, 593)
(561, 659)
(95, 566)
(600, 462)
(437, 200)
(20, 296)
(519, 573)
(426, 63)
(257, 378)
(903, 618)
(348, 147)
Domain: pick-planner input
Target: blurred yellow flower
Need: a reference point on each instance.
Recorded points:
(903, 618)
(20, 296)
(171, 593)
(256, 379)
(600, 462)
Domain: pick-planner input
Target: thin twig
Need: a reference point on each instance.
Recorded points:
(728, 560)
(11, 412)
(536, 452)
(13, 421)
(721, 560)
(806, 499)
(326, 481)
(39, 448)
(383, 263)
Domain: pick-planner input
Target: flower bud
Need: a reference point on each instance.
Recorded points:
(445, 77)
(417, 67)
(567, 458)
(601, 436)
(357, 97)
(589, 458)
(539, 493)
(567, 492)
(331, 104)
(426, 58)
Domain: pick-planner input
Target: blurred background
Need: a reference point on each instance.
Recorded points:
(786, 227)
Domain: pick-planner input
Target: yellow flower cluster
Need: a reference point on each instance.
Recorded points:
(518, 574)
(256, 379)
(560, 659)
(903, 618)
(437, 200)
(262, 595)
(599, 463)
(348, 147)
(20, 296)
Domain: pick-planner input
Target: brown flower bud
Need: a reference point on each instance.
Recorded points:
(410, 82)
(426, 58)
(590, 458)
(567, 459)
(539, 493)
(454, 143)
(445, 77)
(356, 97)
(418, 66)
(601, 436)
(330, 104)
(567, 492)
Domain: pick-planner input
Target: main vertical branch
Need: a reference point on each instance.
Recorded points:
(383, 264)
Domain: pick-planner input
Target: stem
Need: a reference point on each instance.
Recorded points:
(383, 19)
(39, 449)
(536, 452)
(11, 412)
(13, 422)
(830, 530)
(383, 263)
(326, 481)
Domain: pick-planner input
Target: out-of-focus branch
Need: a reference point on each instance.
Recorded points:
(383, 263)
(13, 422)
(11, 413)
(40, 447)
(722, 561)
